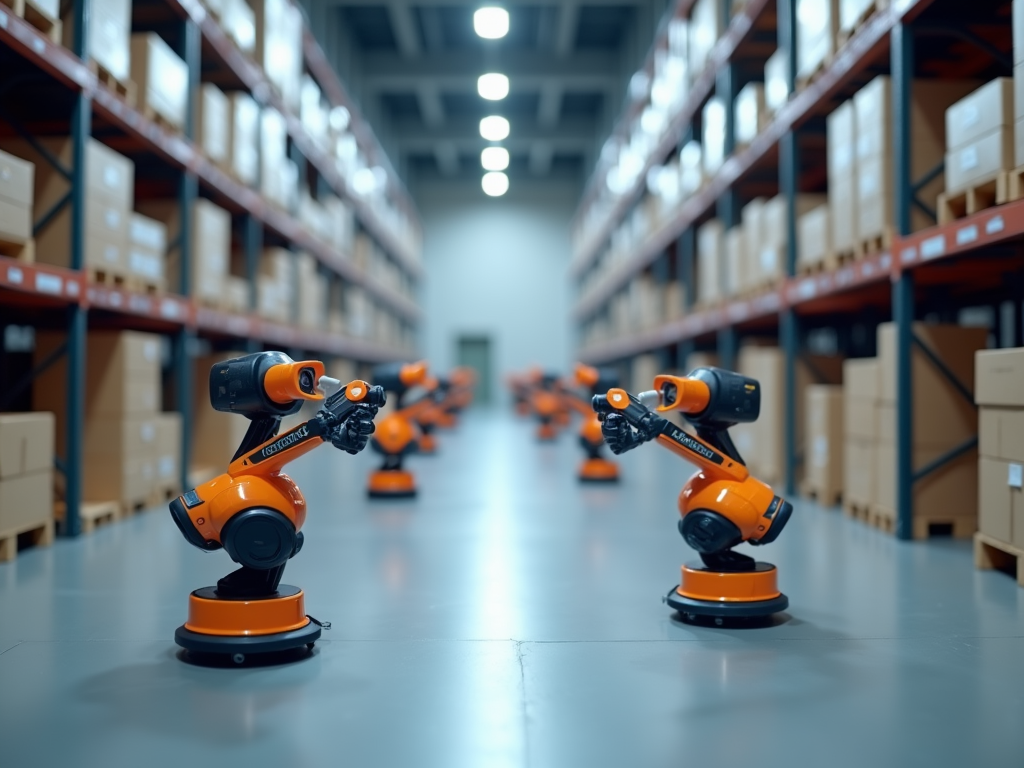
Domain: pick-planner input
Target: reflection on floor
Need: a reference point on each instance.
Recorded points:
(509, 617)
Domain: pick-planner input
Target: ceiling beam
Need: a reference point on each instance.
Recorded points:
(446, 155)
(433, 37)
(572, 137)
(541, 155)
(550, 106)
(429, 100)
(404, 26)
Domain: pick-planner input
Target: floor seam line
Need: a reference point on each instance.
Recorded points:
(20, 642)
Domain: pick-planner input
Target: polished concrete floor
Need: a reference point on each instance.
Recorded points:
(509, 617)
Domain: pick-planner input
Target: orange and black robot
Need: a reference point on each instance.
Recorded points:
(398, 435)
(549, 406)
(254, 511)
(432, 411)
(595, 468)
(722, 505)
(458, 396)
(519, 386)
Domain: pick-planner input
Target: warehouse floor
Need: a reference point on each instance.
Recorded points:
(510, 618)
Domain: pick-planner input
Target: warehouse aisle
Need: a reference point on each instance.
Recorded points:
(509, 618)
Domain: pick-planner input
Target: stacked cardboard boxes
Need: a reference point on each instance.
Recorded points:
(26, 478)
(126, 435)
(278, 47)
(734, 276)
(275, 285)
(999, 392)
(817, 25)
(212, 120)
(210, 247)
(239, 21)
(814, 239)
(147, 244)
(691, 169)
(713, 122)
(853, 12)
(824, 458)
(110, 190)
(243, 138)
(705, 29)
(769, 244)
(107, 35)
(161, 77)
(16, 195)
(776, 81)
(312, 288)
(860, 435)
(750, 112)
(943, 419)
(979, 136)
(710, 250)
(842, 179)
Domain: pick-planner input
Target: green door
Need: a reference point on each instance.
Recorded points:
(475, 352)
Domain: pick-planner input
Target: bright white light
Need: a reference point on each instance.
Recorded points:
(491, 23)
(340, 118)
(494, 159)
(364, 181)
(494, 183)
(494, 128)
(653, 122)
(492, 86)
(639, 85)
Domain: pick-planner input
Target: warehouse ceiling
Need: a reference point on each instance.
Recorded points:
(413, 67)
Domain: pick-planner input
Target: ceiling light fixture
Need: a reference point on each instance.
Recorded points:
(492, 86)
(495, 183)
(494, 159)
(494, 128)
(491, 22)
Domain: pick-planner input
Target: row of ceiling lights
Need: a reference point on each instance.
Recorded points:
(491, 23)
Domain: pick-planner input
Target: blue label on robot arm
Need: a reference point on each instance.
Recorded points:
(191, 499)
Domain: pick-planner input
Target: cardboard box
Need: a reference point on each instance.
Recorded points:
(750, 113)
(122, 377)
(862, 379)
(15, 222)
(852, 11)
(859, 483)
(753, 228)
(713, 122)
(980, 113)
(26, 500)
(954, 345)
(243, 137)
(860, 417)
(129, 480)
(691, 168)
(981, 160)
(824, 457)
(212, 122)
(146, 233)
(107, 36)
(237, 296)
(121, 438)
(710, 254)
(273, 152)
(949, 492)
(16, 180)
(210, 246)
(161, 78)
(1001, 433)
(215, 435)
(776, 81)
(26, 443)
(239, 21)
(1000, 500)
(1018, 143)
(168, 451)
(999, 377)
(816, 28)
(814, 236)
(705, 29)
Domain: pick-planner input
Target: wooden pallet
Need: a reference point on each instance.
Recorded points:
(1013, 182)
(92, 514)
(37, 17)
(25, 252)
(152, 115)
(123, 88)
(35, 535)
(990, 553)
(844, 35)
(926, 526)
(875, 244)
(977, 197)
(827, 264)
(823, 497)
(142, 285)
(101, 276)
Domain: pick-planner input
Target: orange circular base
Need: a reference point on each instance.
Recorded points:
(599, 469)
(740, 587)
(392, 482)
(245, 618)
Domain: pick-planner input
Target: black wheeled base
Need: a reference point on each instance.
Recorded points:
(238, 647)
(691, 609)
(391, 494)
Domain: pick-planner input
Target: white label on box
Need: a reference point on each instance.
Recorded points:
(995, 224)
(111, 177)
(147, 432)
(5, 174)
(15, 276)
(971, 114)
(146, 234)
(145, 264)
(969, 158)
(768, 259)
(166, 467)
(150, 351)
(49, 284)
(933, 247)
(842, 155)
(967, 234)
(1015, 476)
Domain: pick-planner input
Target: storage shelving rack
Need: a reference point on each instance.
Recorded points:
(67, 98)
(977, 261)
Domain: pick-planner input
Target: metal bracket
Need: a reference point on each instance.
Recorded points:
(945, 458)
(943, 369)
(51, 214)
